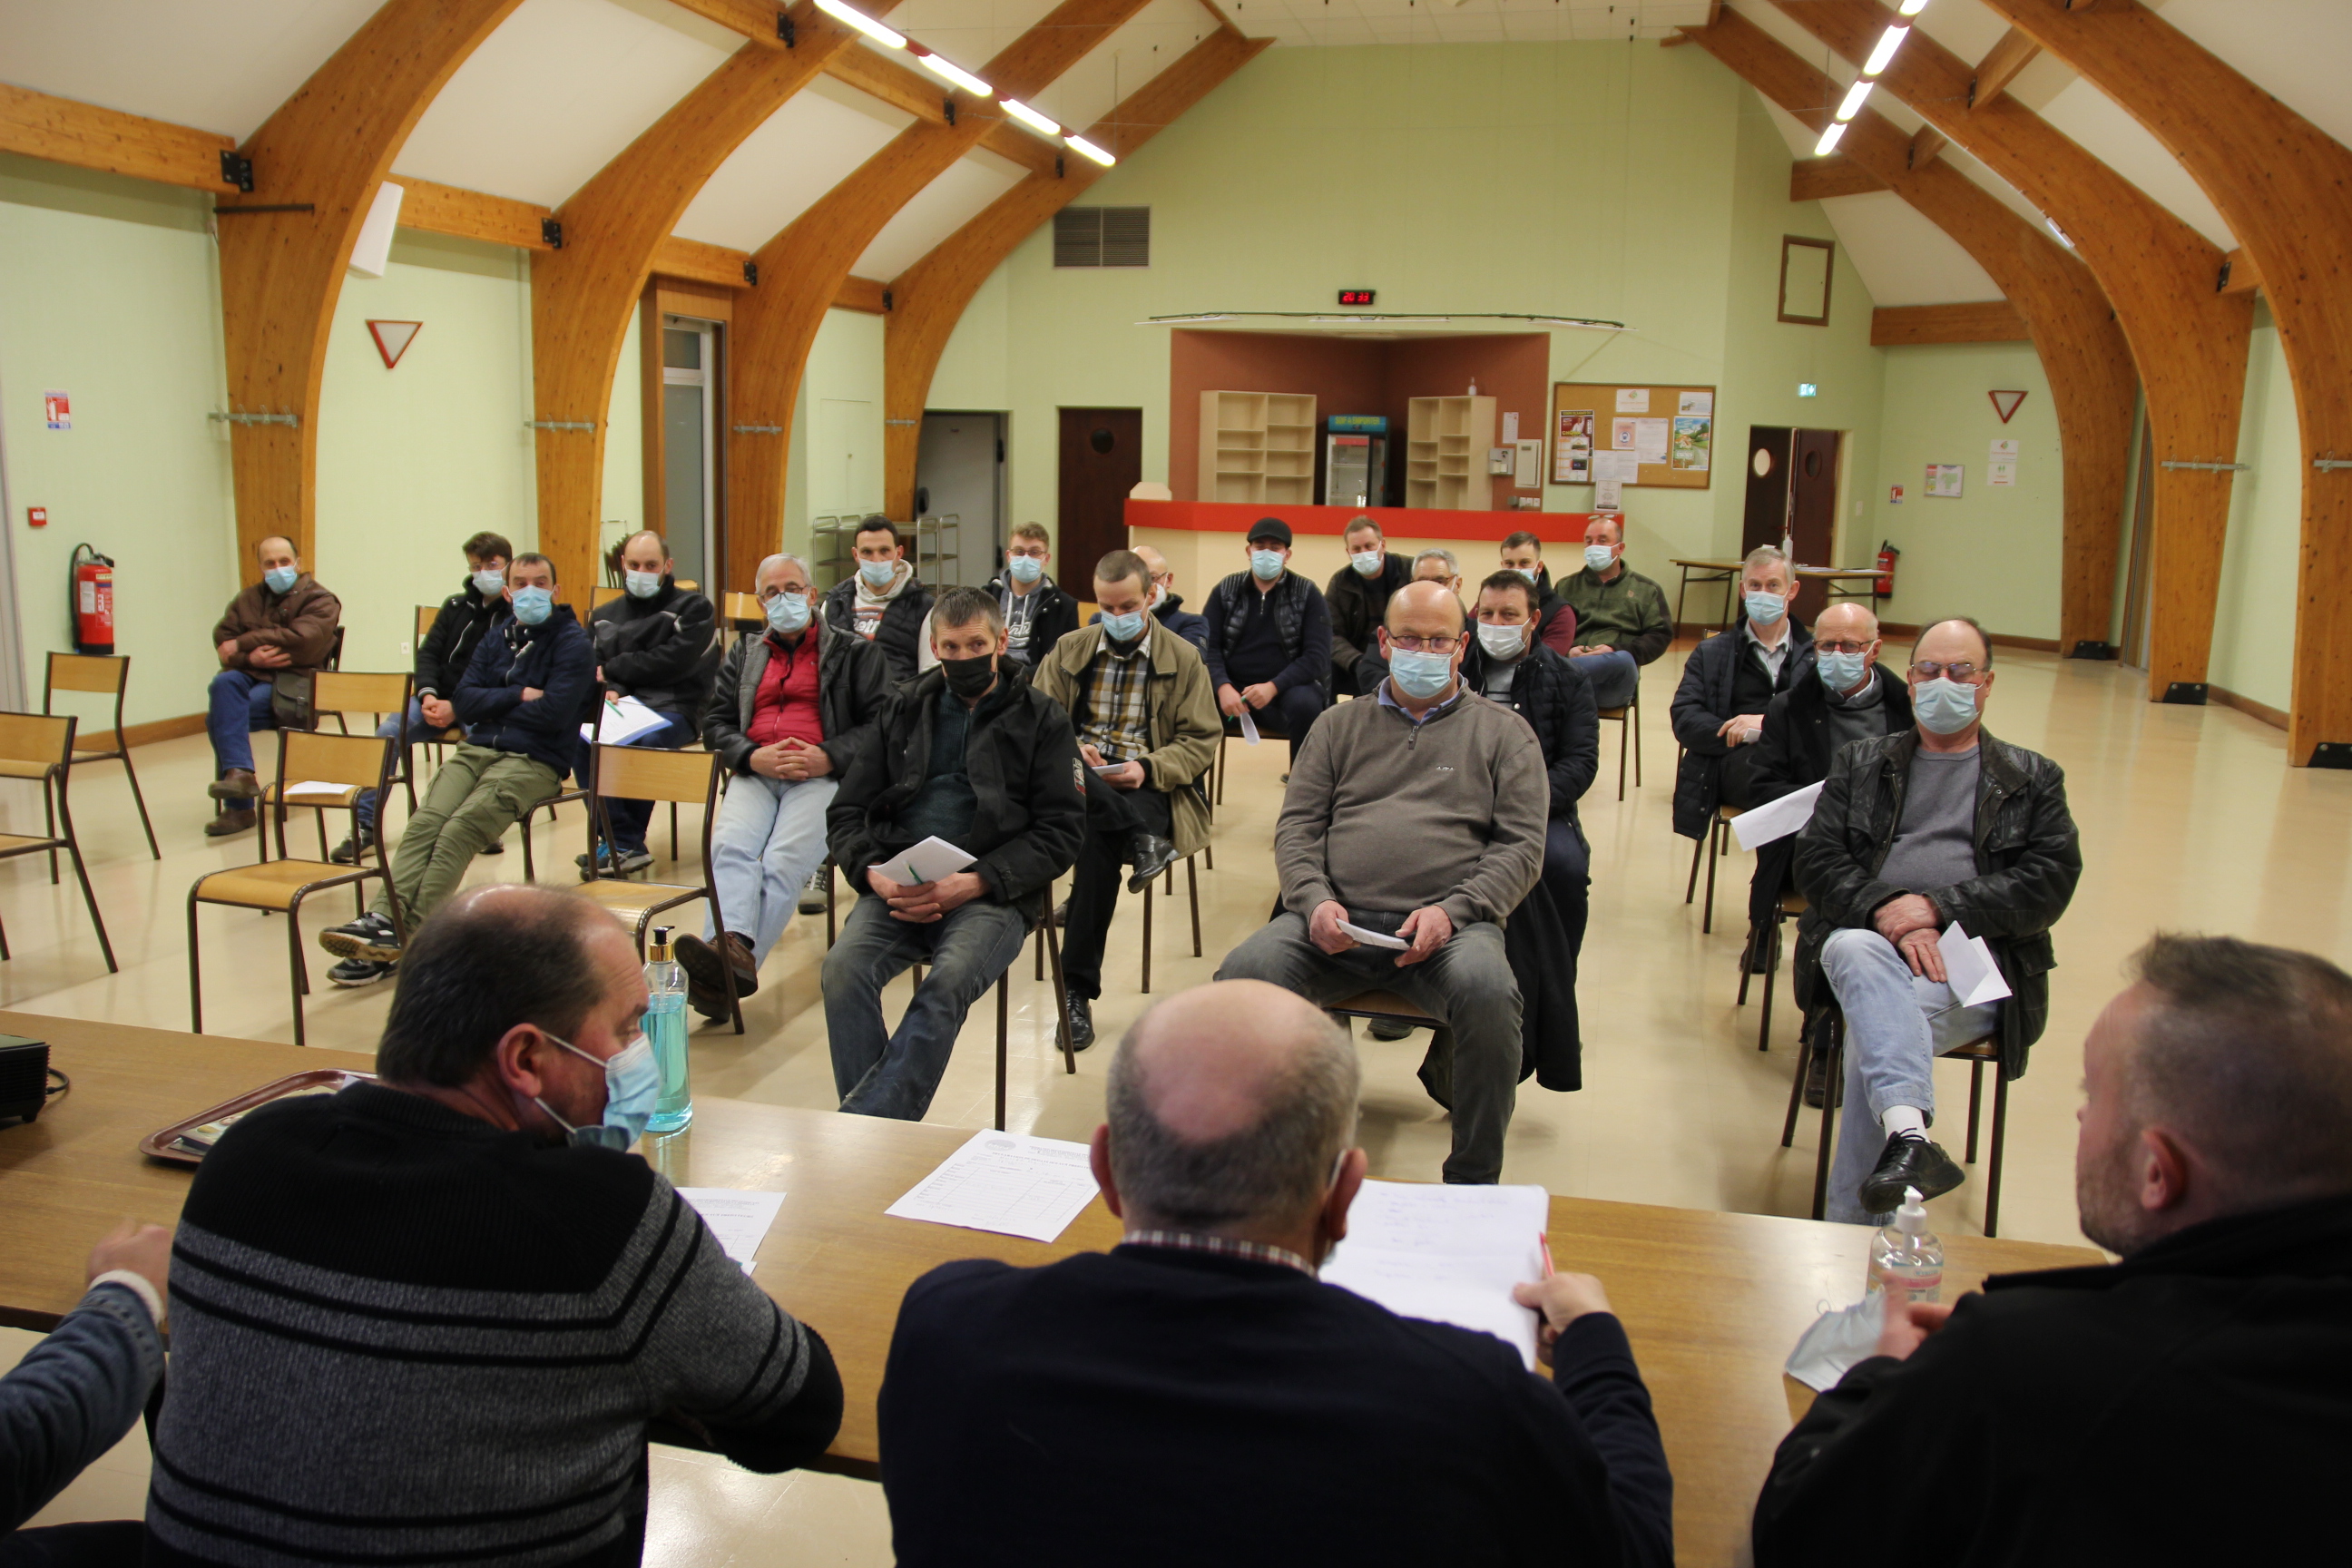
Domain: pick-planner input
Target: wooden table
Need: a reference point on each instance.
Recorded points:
(1727, 573)
(1713, 1301)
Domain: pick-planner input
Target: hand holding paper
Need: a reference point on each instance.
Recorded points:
(1249, 728)
(926, 862)
(1973, 977)
(1372, 937)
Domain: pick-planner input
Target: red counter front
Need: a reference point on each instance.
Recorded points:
(1233, 517)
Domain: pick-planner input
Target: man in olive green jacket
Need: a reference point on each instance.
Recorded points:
(1145, 716)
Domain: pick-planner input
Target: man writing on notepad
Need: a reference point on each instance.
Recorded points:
(1925, 829)
(1196, 1395)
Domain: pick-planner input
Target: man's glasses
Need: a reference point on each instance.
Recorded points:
(1845, 647)
(1927, 669)
(1424, 645)
(772, 591)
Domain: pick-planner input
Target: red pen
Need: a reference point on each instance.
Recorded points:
(1544, 1242)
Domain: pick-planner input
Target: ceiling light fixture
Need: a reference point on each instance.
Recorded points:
(1855, 96)
(1828, 143)
(1913, 7)
(864, 24)
(1029, 117)
(1081, 145)
(1890, 41)
(948, 71)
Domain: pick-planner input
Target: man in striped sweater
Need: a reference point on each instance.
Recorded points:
(427, 1319)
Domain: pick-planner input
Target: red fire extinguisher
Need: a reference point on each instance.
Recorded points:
(1887, 556)
(91, 587)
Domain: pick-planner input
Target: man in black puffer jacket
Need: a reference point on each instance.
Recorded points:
(1727, 683)
(657, 643)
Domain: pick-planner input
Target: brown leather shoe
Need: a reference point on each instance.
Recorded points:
(706, 982)
(229, 822)
(237, 783)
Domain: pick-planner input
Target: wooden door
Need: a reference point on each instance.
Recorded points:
(1102, 460)
(1812, 512)
(1766, 515)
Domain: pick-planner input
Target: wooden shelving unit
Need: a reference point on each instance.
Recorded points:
(1257, 446)
(1446, 440)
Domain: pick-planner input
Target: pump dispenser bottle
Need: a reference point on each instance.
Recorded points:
(666, 1027)
(1908, 1252)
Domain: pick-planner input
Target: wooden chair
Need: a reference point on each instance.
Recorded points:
(1710, 849)
(104, 674)
(1792, 903)
(1048, 946)
(741, 613)
(1630, 717)
(1385, 1007)
(39, 747)
(601, 595)
(1980, 1052)
(338, 694)
(352, 762)
(633, 773)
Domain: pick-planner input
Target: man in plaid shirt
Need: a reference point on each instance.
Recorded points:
(1146, 715)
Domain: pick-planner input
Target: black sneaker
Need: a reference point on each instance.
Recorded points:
(1082, 1023)
(613, 862)
(370, 937)
(349, 851)
(813, 893)
(1908, 1162)
(1382, 1029)
(353, 972)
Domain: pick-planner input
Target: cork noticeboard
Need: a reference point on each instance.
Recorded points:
(1669, 432)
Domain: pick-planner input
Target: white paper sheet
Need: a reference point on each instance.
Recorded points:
(1651, 439)
(1969, 968)
(1632, 400)
(1005, 1181)
(1608, 495)
(1695, 403)
(1776, 820)
(1373, 938)
(1625, 467)
(623, 720)
(738, 1221)
(1249, 727)
(1448, 1254)
(295, 791)
(927, 862)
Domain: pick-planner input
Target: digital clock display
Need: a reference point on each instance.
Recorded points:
(1355, 296)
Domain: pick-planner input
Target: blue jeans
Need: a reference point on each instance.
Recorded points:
(1614, 676)
(239, 704)
(1896, 1024)
(364, 813)
(628, 818)
(879, 1073)
(767, 840)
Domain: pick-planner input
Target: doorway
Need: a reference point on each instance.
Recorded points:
(690, 447)
(960, 474)
(1792, 494)
(1102, 460)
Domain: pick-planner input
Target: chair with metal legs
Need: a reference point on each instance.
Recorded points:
(1048, 944)
(105, 674)
(1193, 885)
(1630, 717)
(1712, 846)
(1792, 903)
(636, 772)
(38, 747)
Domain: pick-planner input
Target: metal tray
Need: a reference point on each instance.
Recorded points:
(159, 1145)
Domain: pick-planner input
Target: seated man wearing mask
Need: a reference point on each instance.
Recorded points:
(282, 626)
(1436, 565)
(967, 754)
(521, 702)
(1418, 814)
(1270, 639)
(1555, 622)
(791, 710)
(660, 644)
(1357, 594)
(1166, 605)
(1622, 621)
(431, 1318)
(1927, 828)
(882, 602)
(1147, 727)
(1037, 613)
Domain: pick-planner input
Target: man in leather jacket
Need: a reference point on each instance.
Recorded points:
(1933, 827)
(657, 643)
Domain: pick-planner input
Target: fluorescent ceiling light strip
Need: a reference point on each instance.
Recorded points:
(1081, 145)
(1030, 117)
(1828, 143)
(864, 24)
(1854, 95)
(949, 71)
(1913, 7)
(1890, 41)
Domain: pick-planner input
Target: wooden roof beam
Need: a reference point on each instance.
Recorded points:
(2010, 52)
(755, 19)
(925, 98)
(65, 131)
(2189, 341)
(1925, 143)
(1814, 179)
(1912, 326)
(2238, 274)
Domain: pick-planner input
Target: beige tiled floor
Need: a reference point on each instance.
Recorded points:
(2190, 818)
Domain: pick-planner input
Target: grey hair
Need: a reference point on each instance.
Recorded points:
(1272, 1172)
(787, 558)
(1766, 556)
(1452, 567)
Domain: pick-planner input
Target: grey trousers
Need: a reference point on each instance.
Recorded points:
(1467, 984)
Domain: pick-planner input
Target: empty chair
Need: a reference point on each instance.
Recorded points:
(106, 674)
(38, 747)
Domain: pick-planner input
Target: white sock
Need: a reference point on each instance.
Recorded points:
(1904, 1119)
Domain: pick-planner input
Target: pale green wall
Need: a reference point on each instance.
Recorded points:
(2254, 622)
(624, 508)
(414, 459)
(113, 296)
(1993, 553)
(837, 433)
(971, 374)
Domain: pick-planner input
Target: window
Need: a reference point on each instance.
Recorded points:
(1102, 237)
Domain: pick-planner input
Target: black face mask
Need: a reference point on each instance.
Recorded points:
(968, 678)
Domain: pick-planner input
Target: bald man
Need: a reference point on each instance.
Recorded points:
(1195, 1395)
(1167, 604)
(2190, 1404)
(660, 644)
(1417, 814)
(272, 637)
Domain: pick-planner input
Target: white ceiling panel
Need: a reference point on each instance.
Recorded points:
(560, 88)
(1903, 257)
(812, 145)
(2292, 49)
(225, 65)
(941, 208)
(2090, 117)
(1152, 39)
(969, 32)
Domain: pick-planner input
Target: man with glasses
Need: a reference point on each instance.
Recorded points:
(1037, 613)
(791, 710)
(1417, 818)
(1931, 827)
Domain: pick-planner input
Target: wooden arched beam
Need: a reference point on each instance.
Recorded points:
(2188, 340)
(2285, 190)
(614, 226)
(776, 325)
(324, 153)
(2083, 351)
(929, 299)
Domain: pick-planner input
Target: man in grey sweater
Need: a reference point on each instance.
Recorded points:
(1417, 813)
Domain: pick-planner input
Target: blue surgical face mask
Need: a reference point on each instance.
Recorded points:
(1124, 628)
(878, 573)
(281, 578)
(788, 612)
(1265, 565)
(1764, 609)
(1526, 571)
(532, 605)
(1599, 557)
(1945, 707)
(1025, 569)
(643, 585)
(1369, 561)
(490, 585)
(631, 1086)
(1841, 672)
(1420, 675)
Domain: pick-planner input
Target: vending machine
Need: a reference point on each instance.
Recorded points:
(1355, 459)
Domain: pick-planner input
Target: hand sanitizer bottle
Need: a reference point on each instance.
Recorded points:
(1908, 1252)
(666, 1027)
